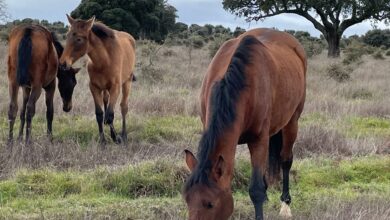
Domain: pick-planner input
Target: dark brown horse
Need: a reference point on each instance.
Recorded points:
(33, 64)
(253, 92)
(110, 67)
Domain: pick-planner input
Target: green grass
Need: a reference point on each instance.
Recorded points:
(152, 188)
(83, 129)
(368, 126)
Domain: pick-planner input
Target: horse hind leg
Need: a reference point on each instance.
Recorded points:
(289, 136)
(26, 95)
(34, 96)
(125, 107)
(49, 96)
(13, 110)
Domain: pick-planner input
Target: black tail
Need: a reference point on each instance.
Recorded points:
(274, 160)
(24, 58)
(133, 78)
(57, 44)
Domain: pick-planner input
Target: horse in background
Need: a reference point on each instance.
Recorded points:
(254, 93)
(110, 67)
(33, 64)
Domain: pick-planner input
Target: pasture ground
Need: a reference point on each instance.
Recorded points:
(341, 170)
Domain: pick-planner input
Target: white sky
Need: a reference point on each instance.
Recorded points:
(189, 11)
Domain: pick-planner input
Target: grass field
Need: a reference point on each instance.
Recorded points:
(342, 153)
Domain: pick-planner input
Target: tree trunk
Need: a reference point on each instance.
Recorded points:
(333, 39)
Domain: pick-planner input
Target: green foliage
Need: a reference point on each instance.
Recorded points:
(313, 46)
(336, 17)
(217, 43)
(378, 38)
(57, 27)
(150, 19)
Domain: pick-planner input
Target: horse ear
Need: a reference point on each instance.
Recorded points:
(90, 22)
(219, 168)
(70, 19)
(190, 160)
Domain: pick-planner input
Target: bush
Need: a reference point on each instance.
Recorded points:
(378, 55)
(377, 38)
(338, 73)
(217, 43)
(355, 50)
(312, 47)
(196, 41)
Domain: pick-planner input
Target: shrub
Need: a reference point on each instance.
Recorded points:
(217, 43)
(378, 55)
(338, 73)
(197, 41)
(355, 50)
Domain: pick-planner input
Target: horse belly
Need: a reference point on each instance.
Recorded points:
(286, 101)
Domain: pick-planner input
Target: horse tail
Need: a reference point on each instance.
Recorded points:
(274, 160)
(24, 58)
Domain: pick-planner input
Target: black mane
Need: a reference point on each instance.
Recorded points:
(224, 97)
(102, 31)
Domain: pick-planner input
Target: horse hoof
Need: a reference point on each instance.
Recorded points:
(285, 211)
(118, 140)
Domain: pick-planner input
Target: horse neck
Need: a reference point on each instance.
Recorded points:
(225, 146)
(98, 51)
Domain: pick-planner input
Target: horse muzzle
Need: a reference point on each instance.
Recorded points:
(67, 107)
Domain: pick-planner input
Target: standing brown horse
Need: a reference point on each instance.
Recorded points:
(110, 67)
(33, 64)
(253, 92)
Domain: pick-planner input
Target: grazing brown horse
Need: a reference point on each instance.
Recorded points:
(253, 92)
(110, 67)
(33, 64)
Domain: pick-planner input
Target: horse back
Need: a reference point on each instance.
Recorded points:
(275, 78)
(43, 66)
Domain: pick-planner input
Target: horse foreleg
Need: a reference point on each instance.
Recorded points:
(98, 99)
(26, 94)
(35, 93)
(13, 110)
(258, 186)
(289, 136)
(109, 114)
(125, 107)
(50, 89)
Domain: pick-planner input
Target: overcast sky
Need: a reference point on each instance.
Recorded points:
(189, 11)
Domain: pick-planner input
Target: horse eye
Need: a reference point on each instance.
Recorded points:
(209, 205)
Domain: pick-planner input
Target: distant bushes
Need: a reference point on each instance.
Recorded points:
(378, 38)
(58, 26)
(338, 73)
(355, 50)
(313, 46)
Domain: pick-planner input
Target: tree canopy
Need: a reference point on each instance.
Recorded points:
(151, 19)
(330, 17)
